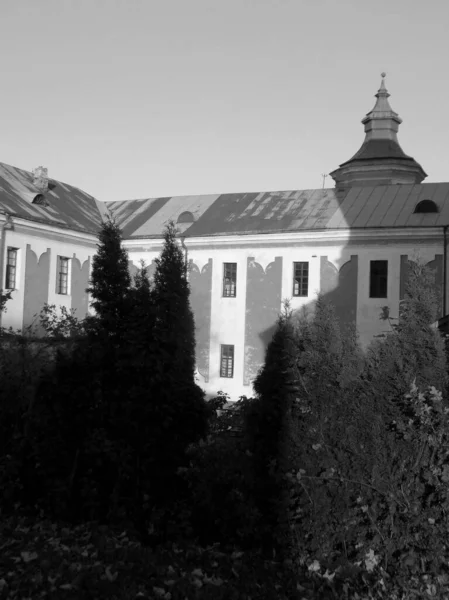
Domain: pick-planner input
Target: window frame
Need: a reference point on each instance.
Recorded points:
(298, 280)
(227, 353)
(63, 260)
(11, 268)
(230, 281)
(377, 287)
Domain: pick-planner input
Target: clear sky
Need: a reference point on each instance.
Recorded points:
(142, 98)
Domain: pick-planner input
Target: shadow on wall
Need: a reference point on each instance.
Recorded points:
(338, 286)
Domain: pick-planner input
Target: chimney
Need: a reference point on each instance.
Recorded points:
(40, 179)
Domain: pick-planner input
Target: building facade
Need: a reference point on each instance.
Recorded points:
(248, 252)
(48, 235)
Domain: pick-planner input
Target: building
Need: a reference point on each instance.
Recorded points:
(247, 252)
(48, 235)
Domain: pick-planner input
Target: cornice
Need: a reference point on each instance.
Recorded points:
(50, 231)
(307, 238)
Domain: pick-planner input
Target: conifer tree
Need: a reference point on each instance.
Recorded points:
(110, 280)
(175, 407)
(414, 350)
(267, 427)
(174, 329)
(109, 288)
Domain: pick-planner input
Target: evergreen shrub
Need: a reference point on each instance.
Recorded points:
(368, 483)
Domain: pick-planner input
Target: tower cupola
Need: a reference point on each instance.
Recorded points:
(380, 160)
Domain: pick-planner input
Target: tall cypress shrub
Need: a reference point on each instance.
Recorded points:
(176, 403)
(174, 328)
(413, 350)
(77, 415)
(109, 288)
(267, 427)
(110, 281)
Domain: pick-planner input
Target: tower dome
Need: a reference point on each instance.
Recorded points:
(380, 160)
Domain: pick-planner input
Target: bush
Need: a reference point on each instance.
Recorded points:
(220, 502)
(368, 487)
(267, 428)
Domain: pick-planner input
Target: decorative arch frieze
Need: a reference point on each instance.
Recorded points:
(36, 287)
(79, 284)
(339, 288)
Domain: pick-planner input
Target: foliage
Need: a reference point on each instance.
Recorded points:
(4, 297)
(413, 348)
(45, 558)
(110, 281)
(220, 503)
(398, 515)
(324, 414)
(61, 434)
(62, 323)
(174, 330)
(267, 428)
(23, 363)
(369, 454)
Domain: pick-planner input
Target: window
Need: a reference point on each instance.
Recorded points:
(378, 279)
(185, 217)
(300, 279)
(40, 200)
(227, 361)
(426, 206)
(11, 268)
(230, 280)
(63, 275)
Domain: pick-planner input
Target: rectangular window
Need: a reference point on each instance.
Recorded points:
(11, 268)
(378, 278)
(300, 279)
(227, 361)
(63, 275)
(229, 280)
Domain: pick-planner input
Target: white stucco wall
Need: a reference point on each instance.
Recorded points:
(227, 320)
(228, 314)
(61, 243)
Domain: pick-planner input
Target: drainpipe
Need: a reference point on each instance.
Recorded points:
(7, 225)
(444, 269)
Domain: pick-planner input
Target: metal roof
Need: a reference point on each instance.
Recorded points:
(300, 210)
(68, 206)
(379, 149)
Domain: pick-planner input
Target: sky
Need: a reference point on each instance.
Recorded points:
(134, 99)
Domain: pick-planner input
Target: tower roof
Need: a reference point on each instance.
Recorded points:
(380, 160)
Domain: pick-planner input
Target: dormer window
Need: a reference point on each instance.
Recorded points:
(185, 217)
(40, 200)
(426, 206)
(35, 197)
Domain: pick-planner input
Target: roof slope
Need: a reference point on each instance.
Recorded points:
(271, 212)
(69, 206)
(379, 150)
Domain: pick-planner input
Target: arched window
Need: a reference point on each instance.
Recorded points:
(185, 217)
(40, 200)
(36, 198)
(426, 206)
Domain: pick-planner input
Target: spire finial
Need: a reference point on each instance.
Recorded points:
(383, 75)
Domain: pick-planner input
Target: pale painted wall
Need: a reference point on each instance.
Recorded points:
(61, 243)
(228, 314)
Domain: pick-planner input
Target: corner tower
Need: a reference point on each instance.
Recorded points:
(380, 160)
